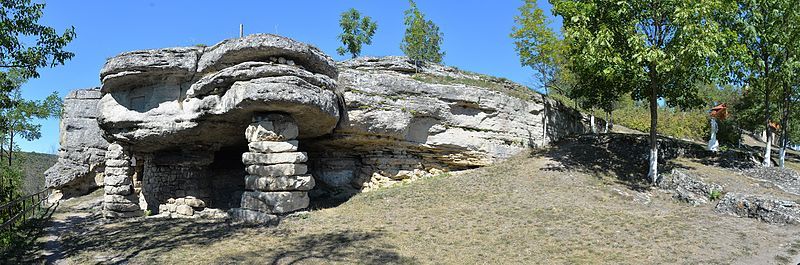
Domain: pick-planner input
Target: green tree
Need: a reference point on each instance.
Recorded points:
(422, 41)
(654, 49)
(25, 47)
(18, 121)
(766, 37)
(356, 31)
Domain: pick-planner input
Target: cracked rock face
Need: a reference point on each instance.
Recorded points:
(205, 96)
(82, 152)
(761, 207)
(399, 117)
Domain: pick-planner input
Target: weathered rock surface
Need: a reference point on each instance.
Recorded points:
(282, 183)
(399, 117)
(689, 189)
(277, 202)
(157, 99)
(80, 158)
(764, 208)
(273, 147)
(274, 158)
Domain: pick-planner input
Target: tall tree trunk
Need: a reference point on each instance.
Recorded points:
(785, 123)
(652, 173)
(768, 144)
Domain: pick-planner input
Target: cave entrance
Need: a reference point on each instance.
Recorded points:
(226, 177)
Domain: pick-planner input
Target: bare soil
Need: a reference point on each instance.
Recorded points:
(572, 204)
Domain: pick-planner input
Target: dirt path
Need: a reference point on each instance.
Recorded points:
(69, 218)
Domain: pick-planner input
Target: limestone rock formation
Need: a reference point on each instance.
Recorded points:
(82, 153)
(688, 188)
(262, 125)
(400, 117)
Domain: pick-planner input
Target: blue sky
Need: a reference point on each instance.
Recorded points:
(475, 35)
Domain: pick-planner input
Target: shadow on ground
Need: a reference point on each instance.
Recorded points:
(625, 156)
(145, 239)
(23, 247)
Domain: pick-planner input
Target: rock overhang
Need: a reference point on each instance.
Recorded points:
(154, 99)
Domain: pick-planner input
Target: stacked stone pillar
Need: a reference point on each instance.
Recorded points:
(120, 199)
(277, 182)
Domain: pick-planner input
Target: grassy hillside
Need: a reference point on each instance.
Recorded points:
(569, 204)
(33, 166)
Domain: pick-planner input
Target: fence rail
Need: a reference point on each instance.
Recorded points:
(21, 208)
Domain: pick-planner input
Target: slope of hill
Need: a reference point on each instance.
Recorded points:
(33, 165)
(573, 203)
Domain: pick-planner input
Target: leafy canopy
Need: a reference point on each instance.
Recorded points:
(356, 31)
(422, 41)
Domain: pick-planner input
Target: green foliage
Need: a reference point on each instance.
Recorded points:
(715, 195)
(25, 45)
(422, 41)
(355, 32)
(651, 49)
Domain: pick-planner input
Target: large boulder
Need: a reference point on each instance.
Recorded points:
(155, 99)
(82, 152)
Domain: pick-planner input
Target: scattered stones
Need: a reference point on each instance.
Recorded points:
(379, 180)
(764, 208)
(188, 207)
(786, 179)
(689, 189)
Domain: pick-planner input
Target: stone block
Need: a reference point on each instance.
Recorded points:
(282, 183)
(121, 207)
(277, 170)
(275, 202)
(250, 158)
(273, 147)
(194, 202)
(118, 170)
(118, 190)
(172, 207)
(121, 199)
(118, 163)
(185, 210)
(116, 180)
(113, 214)
(272, 127)
(252, 217)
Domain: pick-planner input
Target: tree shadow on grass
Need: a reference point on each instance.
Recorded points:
(347, 246)
(623, 156)
(120, 241)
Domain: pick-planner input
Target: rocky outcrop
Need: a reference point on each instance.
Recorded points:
(764, 208)
(689, 189)
(176, 118)
(82, 153)
(786, 179)
(400, 117)
(167, 97)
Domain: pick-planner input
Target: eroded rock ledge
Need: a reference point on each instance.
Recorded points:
(175, 119)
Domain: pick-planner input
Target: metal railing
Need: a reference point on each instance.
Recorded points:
(21, 208)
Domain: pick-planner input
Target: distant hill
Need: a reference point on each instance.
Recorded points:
(34, 166)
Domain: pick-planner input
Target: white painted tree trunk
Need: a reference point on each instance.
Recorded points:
(652, 173)
(782, 156)
(713, 144)
(591, 120)
(767, 159)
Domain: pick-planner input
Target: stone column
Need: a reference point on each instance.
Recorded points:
(277, 182)
(119, 201)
